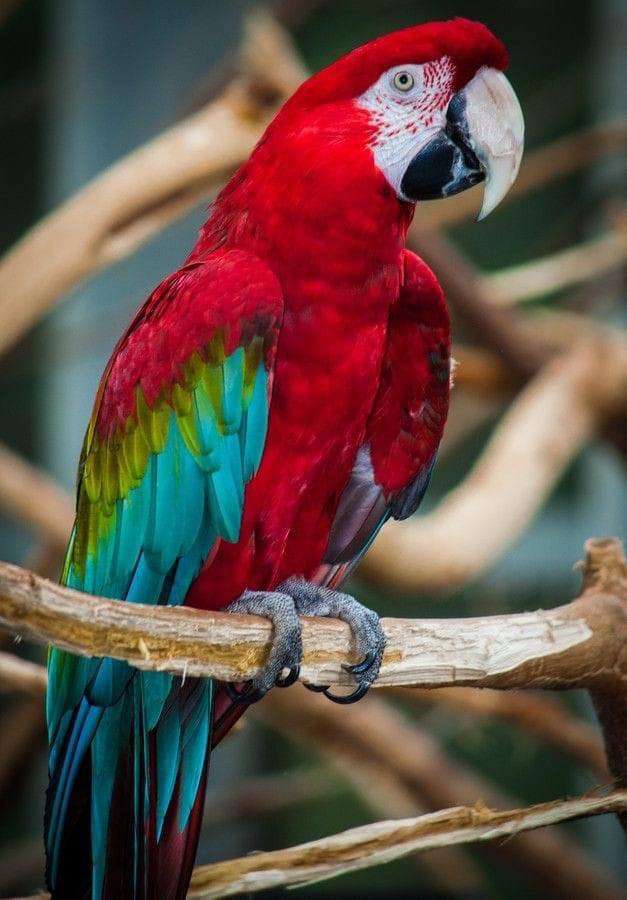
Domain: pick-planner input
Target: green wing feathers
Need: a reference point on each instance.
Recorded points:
(156, 492)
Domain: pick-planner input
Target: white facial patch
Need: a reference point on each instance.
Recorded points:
(408, 107)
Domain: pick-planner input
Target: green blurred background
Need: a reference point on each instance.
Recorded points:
(85, 81)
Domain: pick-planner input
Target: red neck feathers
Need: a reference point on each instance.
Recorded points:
(311, 201)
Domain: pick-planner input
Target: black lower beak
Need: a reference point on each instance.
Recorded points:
(447, 164)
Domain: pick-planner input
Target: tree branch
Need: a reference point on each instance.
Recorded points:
(577, 645)
(549, 274)
(581, 644)
(138, 196)
(383, 842)
(380, 740)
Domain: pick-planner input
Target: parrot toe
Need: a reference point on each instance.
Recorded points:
(312, 600)
(296, 597)
(286, 649)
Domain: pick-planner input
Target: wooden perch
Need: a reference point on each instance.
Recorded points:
(593, 658)
(382, 842)
(553, 418)
(580, 645)
(577, 645)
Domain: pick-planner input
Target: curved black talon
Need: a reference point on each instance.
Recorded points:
(248, 694)
(238, 696)
(317, 688)
(344, 699)
(289, 679)
(360, 667)
(232, 691)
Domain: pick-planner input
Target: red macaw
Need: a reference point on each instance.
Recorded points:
(271, 405)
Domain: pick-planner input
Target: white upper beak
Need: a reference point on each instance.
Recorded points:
(496, 132)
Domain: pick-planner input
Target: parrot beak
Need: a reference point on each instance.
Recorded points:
(482, 141)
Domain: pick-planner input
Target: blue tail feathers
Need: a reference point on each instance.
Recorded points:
(126, 786)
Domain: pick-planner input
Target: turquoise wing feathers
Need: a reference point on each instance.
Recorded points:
(162, 479)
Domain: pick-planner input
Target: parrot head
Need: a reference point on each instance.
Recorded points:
(431, 106)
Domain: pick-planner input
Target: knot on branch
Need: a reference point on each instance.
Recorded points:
(604, 567)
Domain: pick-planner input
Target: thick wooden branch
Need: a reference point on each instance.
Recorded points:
(589, 652)
(577, 645)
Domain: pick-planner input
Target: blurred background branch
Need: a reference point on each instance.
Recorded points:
(383, 841)
(380, 736)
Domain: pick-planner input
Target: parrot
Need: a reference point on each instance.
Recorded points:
(270, 406)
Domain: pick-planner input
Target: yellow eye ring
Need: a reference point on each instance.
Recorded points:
(403, 81)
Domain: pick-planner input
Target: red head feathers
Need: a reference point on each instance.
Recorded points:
(425, 112)
(470, 45)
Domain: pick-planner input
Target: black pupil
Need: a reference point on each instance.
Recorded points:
(403, 79)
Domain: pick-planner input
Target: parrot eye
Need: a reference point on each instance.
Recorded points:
(403, 81)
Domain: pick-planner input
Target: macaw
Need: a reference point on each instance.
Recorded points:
(270, 406)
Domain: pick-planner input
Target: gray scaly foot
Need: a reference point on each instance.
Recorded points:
(286, 650)
(296, 597)
(311, 600)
